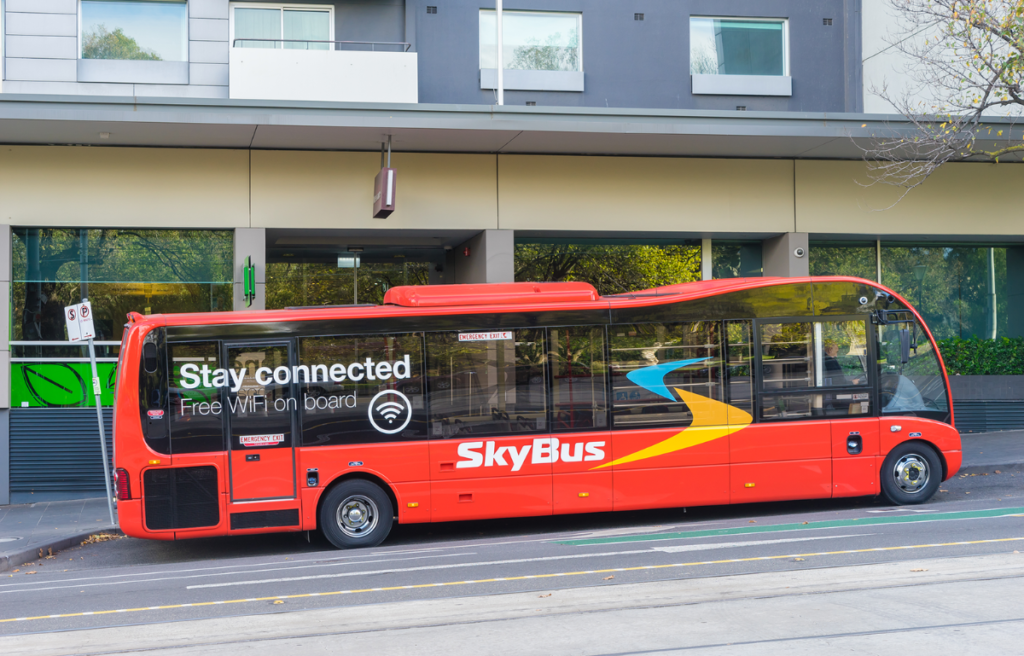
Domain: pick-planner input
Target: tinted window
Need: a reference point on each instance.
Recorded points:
(740, 365)
(654, 364)
(578, 378)
(487, 383)
(153, 392)
(916, 388)
(196, 414)
(362, 389)
(787, 355)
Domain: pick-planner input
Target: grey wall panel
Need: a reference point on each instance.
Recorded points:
(208, 74)
(181, 91)
(42, 24)
(43, 70)
(58, 450)
(128, 71)
(42, 47)
(43, 6)
(208, 8)
(5, 457)
(637, 63)
(208, 52)
(67, 88)
(359, 20)
(207, 29)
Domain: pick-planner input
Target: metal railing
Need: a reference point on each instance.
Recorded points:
(373, 44)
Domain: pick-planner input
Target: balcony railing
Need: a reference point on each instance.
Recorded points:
(373, 44)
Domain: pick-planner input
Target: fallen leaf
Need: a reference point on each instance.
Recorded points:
(798, 559)
(542, 596)
(966, 492)
(278, 601)
(998, 472)
(16, 571)
(32, 572)
(919, 570)
(805, 522)
(751, 522)
(101, 537)
(608, 578)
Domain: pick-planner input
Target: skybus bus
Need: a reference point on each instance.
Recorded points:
(463, 402)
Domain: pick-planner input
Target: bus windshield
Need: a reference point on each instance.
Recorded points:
(917, 387)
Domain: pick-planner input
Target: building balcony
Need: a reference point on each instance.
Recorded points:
(340, 71)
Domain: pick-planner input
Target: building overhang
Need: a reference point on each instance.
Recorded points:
(281, 125)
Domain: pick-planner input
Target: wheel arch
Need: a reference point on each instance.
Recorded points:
(358, 475)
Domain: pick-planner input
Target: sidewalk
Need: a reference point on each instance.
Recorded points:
(27, 528)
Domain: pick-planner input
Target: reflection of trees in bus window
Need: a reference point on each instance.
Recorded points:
(578, 378)
(487, 387)
(787, 355)
(338, 412)
(637, 346)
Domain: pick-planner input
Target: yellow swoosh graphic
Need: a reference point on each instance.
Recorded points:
(711, 420)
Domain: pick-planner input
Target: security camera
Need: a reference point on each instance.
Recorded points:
(799, 252)
(863, 300)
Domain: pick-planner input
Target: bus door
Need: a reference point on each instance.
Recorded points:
(787, 452)
(490, 453)
(261, 412)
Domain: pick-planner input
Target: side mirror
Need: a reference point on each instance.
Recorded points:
(904, 346)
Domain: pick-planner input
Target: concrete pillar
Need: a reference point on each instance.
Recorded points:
(705, 259)
(491, 258)
(5, 364)
(251, 242)
(786, 255)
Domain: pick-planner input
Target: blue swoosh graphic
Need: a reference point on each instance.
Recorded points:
(652, 378)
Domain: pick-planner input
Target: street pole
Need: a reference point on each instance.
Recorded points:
(96, 390)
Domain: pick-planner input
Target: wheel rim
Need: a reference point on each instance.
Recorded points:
(911, 473)
(357, 516)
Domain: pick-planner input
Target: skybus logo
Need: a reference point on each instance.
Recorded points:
(545, 450)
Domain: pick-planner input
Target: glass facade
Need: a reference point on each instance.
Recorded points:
(962, 290)
(119, 271)
(736, 259)
(290, 28)
(301, 283)
(613, 267)
(150, 30)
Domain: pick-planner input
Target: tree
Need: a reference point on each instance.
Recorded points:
(552, 56)
(102, 44)
(966, 59)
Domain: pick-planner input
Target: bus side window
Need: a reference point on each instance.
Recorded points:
(739, 365)
(196, 413)
(153, 392)
(487, 383)
(578, 378)
(654, 366)
(361, 389)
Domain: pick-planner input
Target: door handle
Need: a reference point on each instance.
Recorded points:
(252, 457)
(447, 466)
(854, 444)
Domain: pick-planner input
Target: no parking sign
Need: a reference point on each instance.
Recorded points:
(78, 319)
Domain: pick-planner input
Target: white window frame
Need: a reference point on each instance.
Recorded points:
(187, 52)
(524, 12)
(749, 19)
(280, 7)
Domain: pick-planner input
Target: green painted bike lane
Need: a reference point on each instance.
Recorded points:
(801, 526)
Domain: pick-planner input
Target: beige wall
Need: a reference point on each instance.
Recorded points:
(130, 187)
(335, 190)
(645, 194)
(959, 199)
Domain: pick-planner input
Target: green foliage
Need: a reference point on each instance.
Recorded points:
(299, 284)
(612, 269)
(103, 44)
(983, 357)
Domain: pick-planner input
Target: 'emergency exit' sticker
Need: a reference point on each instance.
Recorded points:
(261, 440)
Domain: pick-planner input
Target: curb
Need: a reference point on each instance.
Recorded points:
(988, 469)
(32, 553)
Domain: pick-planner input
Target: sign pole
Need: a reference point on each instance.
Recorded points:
(96, 390)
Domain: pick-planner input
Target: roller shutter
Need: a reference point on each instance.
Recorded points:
(58, 450)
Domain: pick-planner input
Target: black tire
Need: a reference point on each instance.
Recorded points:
(905, 468)
(356, 513)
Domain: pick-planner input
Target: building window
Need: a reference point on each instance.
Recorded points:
(747, 46)
(148, 30)
(532, 40)
(119, 271)
(612, 266)
(856, 259)
(288, 27)
(735, 259)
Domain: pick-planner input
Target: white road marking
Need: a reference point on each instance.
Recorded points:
(729, 545)
(515, 561)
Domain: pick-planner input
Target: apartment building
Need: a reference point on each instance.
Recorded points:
(150, 148)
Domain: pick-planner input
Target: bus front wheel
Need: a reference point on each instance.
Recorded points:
(911, 473)
(356, 513)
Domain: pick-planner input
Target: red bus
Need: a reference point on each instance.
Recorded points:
(463, 402)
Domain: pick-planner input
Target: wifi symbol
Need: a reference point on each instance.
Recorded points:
(390, 410)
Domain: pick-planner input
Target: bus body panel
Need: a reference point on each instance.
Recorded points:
(487, 498)
(779, 481)
(671, 487)
(270, 475)
(781, 441)
(945, 438)
(577, 486)
(854, 474)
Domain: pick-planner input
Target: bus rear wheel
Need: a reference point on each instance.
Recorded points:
(911, 474)
(356, 513)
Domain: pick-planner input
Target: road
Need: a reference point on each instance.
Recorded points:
(795, 577)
